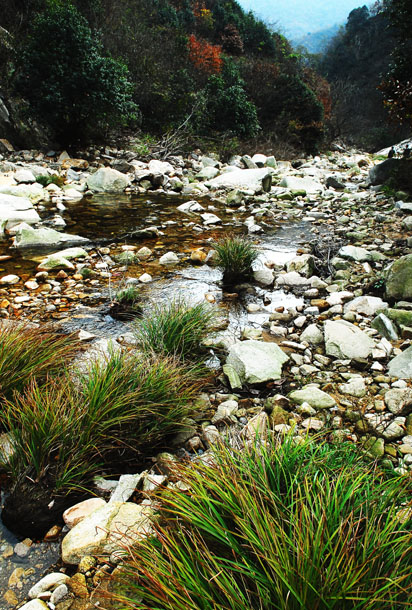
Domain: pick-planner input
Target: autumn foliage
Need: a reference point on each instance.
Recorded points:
(205, 56)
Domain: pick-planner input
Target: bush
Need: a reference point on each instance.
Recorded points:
(70, 84)
(31, 353)
(176, 329)
(277, 527)
(235, 256)
(225, 104)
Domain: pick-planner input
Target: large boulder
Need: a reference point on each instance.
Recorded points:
(27, 237)
(381, 172)
(106, 530)
(256, 362)
(14, 210)
(107, 180)
(399, 280)
(251, 179)
(346, 341)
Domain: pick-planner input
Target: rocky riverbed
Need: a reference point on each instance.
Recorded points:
(320, 340)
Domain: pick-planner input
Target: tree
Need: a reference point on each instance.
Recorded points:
(69, 83)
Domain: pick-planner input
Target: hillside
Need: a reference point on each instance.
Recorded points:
(155, 65)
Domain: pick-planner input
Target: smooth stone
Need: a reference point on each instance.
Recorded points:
(312, 335)
(170, 258)
(210, 219)
(366, 305)
(144, 253)
(190, 207)
(306, 185)
(107, 180)
(399, 401)
(27, 237)
(343, 340)
(292, 279)
(207, 173)
(256, 361)
(24, 176)
(264, 276)
(35, 604)
(9, 279)
(313, 396)
(355, 253)
(385, 327)
(251, 179)
(73, 515)
(354, 387)
(47, 583)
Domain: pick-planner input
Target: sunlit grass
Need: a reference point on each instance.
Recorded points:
(280, 527)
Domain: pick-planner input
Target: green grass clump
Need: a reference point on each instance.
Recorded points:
(235, 256)
(175, 329)
(31, 353)
(50, 179)
(278, 527)
(128, 296)
(63, 432)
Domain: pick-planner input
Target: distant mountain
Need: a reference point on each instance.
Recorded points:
(298, 18)
(316, 42)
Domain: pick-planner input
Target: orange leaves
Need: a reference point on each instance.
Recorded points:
(205, 56)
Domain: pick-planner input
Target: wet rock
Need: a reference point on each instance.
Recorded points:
(344, 340)
(313, 396)
(191, 207)
(62, 259)
(144, 253)
(107, 529)
(401, 365)
(399, 280)
(27, 237)
(107, 180)
(9, 279)
(48, 583)
(73, 515)
(210, 219)
(256, 362)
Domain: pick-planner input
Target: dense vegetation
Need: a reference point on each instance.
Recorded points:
(368, 66)
(85, 67)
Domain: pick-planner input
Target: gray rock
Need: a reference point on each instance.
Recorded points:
(170, 258)
(401, 366)
(210, 219)
(355, 253)
(404, 207)
(385, 327)
(354, 387)
(313, 396)
(125, 488)
(107, 180)
(254, 179)
(106, 530)
(301, 184)
(345, 341)
(312, 335)
(190, 207)
(256, 362)
(366, 305)
(14, 210)
(264, 276)
(381, 172)
(28, 237)
(207, 173)
(292, 279)
(24, 176)
(303, 264)
(399, 401)
(399, 280)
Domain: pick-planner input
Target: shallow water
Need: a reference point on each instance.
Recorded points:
(111, 219)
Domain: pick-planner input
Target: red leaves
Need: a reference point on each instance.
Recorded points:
(205, 56)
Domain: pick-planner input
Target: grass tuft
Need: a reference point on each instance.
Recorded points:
(31, 353)
(176, 329)
(277, 527)
(235, 256)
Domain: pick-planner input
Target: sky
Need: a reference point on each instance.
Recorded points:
(296, 18)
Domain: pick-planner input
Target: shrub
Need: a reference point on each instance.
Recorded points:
(277, 527)
(235, 257)
(31, 353)
(176, 329)
(225, 104)
(70, 84)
